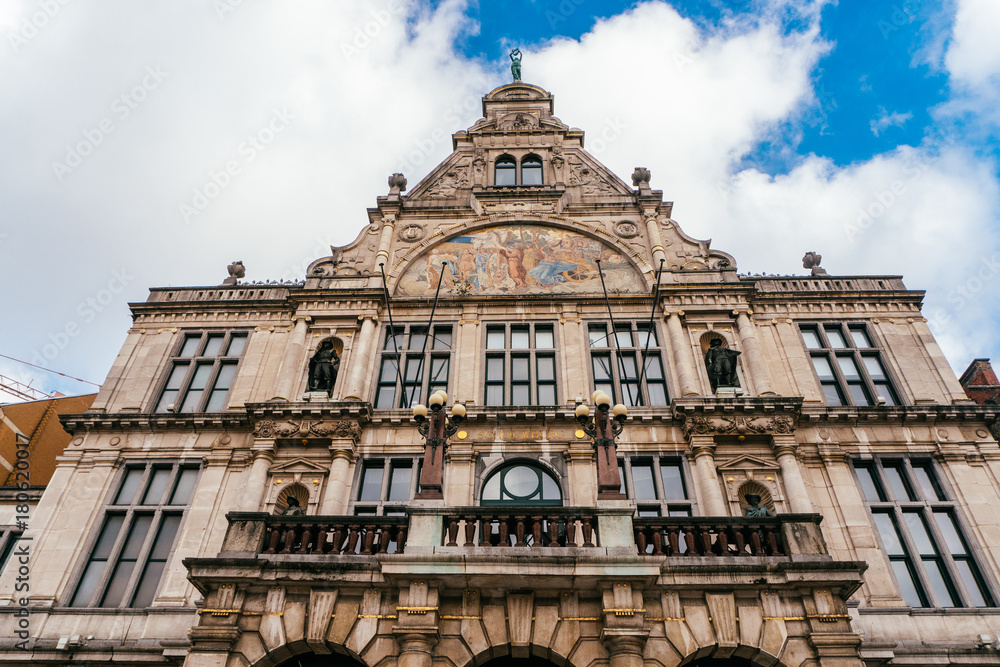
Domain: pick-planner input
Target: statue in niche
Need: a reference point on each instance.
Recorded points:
(721, 365)
(293, 508)
(755, 511)
(323, 368)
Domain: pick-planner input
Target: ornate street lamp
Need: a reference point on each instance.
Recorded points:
(604, 428)
(436, 429)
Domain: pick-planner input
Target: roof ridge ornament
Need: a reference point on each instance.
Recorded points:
(515, 64)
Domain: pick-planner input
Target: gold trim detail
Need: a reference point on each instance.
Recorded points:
(666, 618)
(783, 618)
(460, 618)
(624, 612)
(219, 612)
(581, 618)
(391, 616)
(828, 618)
(416, 610)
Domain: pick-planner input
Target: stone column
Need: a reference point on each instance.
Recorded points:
(335, 494)
(706, 477)
(625, 646)
(795, 487)
(759, 374)
(415, 646)
(360, 356)
(256, 484)
(686, 376)
(292, 365)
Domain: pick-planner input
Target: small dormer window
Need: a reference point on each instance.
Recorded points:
(531, 170)
(506, 171)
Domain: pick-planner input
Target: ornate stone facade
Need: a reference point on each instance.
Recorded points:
(213, 511)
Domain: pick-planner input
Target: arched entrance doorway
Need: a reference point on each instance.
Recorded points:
(532, 661)
(723, 662)
(314, 660)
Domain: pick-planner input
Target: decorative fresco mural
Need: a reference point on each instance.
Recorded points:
(519, 259)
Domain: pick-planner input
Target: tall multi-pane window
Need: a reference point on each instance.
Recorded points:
(412, 365)
(386, 485)
(202, 371)
(136, 535)
(615, 362)
(920, 533)
(848, 365)
(658, 485)
(520, 364)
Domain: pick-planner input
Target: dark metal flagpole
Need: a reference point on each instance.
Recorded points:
(392, 328)
(614, 333)
(430, 322)
(649, 330)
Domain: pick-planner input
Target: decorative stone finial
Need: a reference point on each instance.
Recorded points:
(236, 271)
(811, 260)
(640, 178)
(397, 184)
(515, 64)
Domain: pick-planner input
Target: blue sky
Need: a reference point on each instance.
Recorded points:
(866, 131)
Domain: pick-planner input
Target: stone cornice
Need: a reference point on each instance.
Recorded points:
(925, 413)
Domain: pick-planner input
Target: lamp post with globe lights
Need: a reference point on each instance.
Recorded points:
(604, 427)
(436, 428)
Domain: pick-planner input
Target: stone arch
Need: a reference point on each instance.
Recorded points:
(506, 655)
(728, 661)
(541, 492)
(406, 269)
(310, 659)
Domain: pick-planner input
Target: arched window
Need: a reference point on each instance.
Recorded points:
(521, 483)
(506, 171)
(531, 170)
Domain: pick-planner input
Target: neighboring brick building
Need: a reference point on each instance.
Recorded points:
(225, 507)
(980, 382)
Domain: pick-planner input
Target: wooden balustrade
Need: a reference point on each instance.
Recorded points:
(709, 536)
(348, 535)
(520, 527)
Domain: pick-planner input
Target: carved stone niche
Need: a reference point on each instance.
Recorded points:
(751, 474)
(301, 478)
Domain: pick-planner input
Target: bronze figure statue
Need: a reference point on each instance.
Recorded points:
(755, 511)
(323, 368)
(721, 364)
(515, 64)
(293, 508)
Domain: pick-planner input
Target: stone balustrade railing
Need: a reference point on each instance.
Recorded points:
(520, 527)
(429, 530)
(782, 535)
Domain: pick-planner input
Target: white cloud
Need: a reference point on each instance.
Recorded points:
(885, 120)
(973, 55)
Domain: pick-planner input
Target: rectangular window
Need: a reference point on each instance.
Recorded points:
(413, 366)
(9, 535)
(136, 536)
(917, 525)
(617, 363)
(658, 483)
(520, 365)
(201, 372)
(386, 485)
(847, 364)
